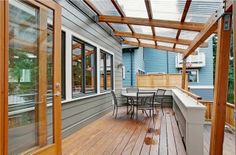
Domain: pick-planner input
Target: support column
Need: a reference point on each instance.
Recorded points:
(184, 74)
(4, 77)
(234, 43)
(221, 85)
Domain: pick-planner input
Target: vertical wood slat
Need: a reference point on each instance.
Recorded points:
(41, 108)
(184, 74)
(57, 79)
(221, 88)
(4, 77)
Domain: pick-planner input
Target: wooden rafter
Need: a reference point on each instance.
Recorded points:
(156, 38)
(122, 14)
(186, 8)
(164, 48)
(93, 7)
(150, 16)
(209, 29)
(190, 26)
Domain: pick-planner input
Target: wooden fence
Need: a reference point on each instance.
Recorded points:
(229, 119)
(160, 80)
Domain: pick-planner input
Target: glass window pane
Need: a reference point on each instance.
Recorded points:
(63, 65)
(102, 71)
(30, 77)
(77, 73)
(109, 71)
(90, 69)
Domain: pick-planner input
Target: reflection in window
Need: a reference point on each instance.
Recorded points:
(106, 71)
(83, 68)
(192, 75)
(90, 68)
(109, 71)
(76, 68)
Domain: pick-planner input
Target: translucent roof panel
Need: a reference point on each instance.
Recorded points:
(147, 41)
(142, 29)
(105, 7)
(121, 27)
(130, 39)
(165, 44)
(134, 8)
(181, 46)
(201, 10)
(168, 9)
(190, 35)
(165, 32)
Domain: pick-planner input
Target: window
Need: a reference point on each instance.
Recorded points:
(106, 71)
(83, 68)
(193, 75)
(63, 64)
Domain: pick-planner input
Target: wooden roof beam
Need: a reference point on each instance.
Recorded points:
(190, 26)
(186, 8)
(156, 38)
(164, 48)
(122, 14)
(209, 28)
(150, 16)
(93, 7)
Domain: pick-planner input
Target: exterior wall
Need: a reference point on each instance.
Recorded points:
(138, 62)
(157, 61)
(78, 112)
(127, 64)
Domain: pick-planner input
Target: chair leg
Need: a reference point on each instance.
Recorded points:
(136, 112)
(162, 110)
(114, 108)
(116, 112)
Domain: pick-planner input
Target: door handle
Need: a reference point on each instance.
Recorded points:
(57, 94)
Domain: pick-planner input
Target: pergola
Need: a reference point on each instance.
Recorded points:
(178, 26)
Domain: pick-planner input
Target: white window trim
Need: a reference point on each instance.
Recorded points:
(68, 77)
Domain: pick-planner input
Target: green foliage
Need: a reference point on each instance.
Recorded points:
(231, 68)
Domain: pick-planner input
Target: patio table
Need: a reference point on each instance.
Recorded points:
(132, 97)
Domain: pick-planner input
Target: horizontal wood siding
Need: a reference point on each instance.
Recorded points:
(78, 113)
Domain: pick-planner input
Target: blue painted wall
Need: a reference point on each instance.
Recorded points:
(157, 61)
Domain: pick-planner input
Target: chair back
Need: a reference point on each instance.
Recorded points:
(132, 90)
(145, 98)
(114, 97)
(160, 92)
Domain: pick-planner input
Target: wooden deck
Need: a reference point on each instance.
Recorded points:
(229, 141)
(127, 136)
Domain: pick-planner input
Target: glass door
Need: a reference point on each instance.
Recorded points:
(33, 68)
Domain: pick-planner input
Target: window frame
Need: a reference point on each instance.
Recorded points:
(197, 71)
(105, 89)
(83, 53)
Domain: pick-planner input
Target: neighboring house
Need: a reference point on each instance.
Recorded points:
(147, 60)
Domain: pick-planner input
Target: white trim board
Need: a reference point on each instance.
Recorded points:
(202, 87)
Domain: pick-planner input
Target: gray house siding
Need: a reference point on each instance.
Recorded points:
(76, 114)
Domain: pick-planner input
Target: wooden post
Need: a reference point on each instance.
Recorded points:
(4, 77)
(184, 74)
(221, 85)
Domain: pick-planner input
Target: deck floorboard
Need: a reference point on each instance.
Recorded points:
(126, 136)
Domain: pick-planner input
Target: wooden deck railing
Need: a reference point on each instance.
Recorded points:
(229, 119)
